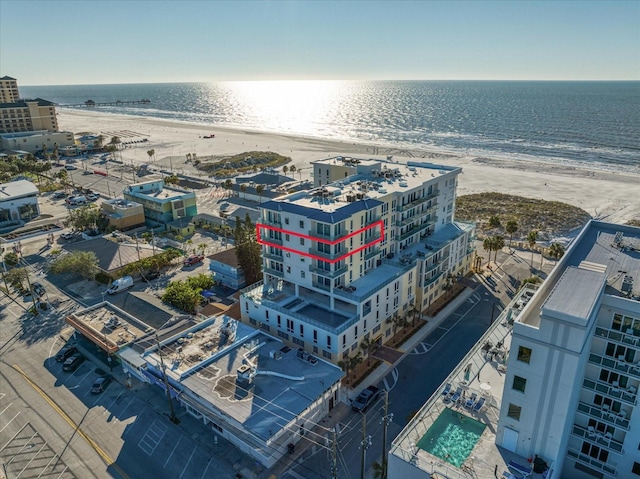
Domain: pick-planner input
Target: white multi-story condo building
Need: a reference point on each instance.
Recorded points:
(571, 389)
(568, 390)
(374, 242)
(17, 115)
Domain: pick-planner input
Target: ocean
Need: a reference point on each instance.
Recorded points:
(588, 124)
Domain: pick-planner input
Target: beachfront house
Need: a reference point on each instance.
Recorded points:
(372, 243)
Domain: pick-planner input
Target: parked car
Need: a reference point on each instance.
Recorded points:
(67, 236)
(92, 197)
(70, 167)
(365, 398)
(87, 172)
(77, 200)
(59, 195)
(120, 284)
(73, 362)
(38, 289)
(193, 259)
(101, 384)
(65, 353)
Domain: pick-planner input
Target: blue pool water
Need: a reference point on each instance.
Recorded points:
(452, 437)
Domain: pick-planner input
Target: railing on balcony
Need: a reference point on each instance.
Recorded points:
(612, 391)
(322, 286)
(275, 240)
(414, 231)
(274, 272)
(432, 280)
(273, 256)
(628, 339)
(272, 222)
(329, 274)
(416, 202)
(607, 416)
(597, 438)
(322, 254)
(372, 253)
(618, 365)
(592, 461)
(372, 220)
(431, 267)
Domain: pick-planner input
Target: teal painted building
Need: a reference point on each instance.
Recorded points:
(162, 204)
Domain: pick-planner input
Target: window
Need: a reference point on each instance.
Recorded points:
(519, 383)
(290, 325)
(315, 336)
(283, 335)
(265, 327)
(302, 274)
(299, 342)
(301, 224)
(524, 354)
(514, 412)
(636, 468)
(329, 342)
(253, 321)
(326, 354)
(302, 331)
(301, 241)
(279, 321)
(286, 221)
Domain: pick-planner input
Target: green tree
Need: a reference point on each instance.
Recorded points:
(368, 347)
(83, 263)
(285, 168)
(511, 228)
(11, 259)
(84, 217)
(494, 221)
(16, 277)
(532, 237)
(293, 170)
(172, 180)
(487, 244)
(243, 189)
(228, 184)
(182, 295)
(378, 470)
(498, 244)
(151, 153)
(556, 251)
(248, 251)
(260, 190)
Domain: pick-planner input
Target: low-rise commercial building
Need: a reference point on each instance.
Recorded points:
(162, 204)
(123, 214)
(18, 202)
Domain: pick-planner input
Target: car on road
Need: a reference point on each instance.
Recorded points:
(100, 384)
(87, 172)
(73, 362)
(65, 353)
(59, 195)
(365, 398)
(67, 236)
(70, 167)
(92, 197)
(193, 259)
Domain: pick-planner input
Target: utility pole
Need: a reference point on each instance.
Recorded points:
(364, 445)
(172, 417)
(334, 455)
(386, 420)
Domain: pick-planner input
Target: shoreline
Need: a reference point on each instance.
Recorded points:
(604, 194)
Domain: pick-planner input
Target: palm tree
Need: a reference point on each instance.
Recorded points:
(498, 244)
(378, 470)
(293, 170)
(510, 228)
(151, 153)
(188, 157)
(531, 239)
(285, 168)
(260, 190)
(487, 244)
(243, 188)
(368, 347)
(556, 251)
(203, 248)
(494, 221)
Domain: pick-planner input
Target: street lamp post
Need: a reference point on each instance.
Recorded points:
(172, 416)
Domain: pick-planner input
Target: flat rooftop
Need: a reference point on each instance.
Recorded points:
(282, 388)
(602, 252)
(108, 326)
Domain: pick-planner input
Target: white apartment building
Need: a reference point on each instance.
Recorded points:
(571, 387)
(18, 114)
(8, 90)
(372, 242)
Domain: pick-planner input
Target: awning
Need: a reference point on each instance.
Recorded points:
(159, 382)
(208, 294)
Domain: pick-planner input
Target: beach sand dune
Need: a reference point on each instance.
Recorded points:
(610, 196)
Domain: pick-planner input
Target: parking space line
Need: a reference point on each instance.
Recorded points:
(2, 412)
(11, 420)
(31, 460)
(188, 462)
(174, 450)
(14, 436)
(205, 469)
(108, 408)
(2, 395)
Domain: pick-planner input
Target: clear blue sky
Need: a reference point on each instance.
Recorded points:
(87, 42)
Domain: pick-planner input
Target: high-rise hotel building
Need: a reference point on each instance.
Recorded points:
(372, 243)
(19, 115)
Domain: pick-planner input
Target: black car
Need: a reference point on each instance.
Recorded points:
(101, 384)
(38, 289)
(72, 363)
(65, 352)
(59, 195)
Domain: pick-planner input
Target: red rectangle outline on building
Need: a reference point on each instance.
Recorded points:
(320, 240)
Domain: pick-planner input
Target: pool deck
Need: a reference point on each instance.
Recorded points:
(482, 372)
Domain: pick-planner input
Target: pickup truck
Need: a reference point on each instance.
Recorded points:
(366, 397)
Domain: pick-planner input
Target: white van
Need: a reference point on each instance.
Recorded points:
(77, 200)
(120, 284)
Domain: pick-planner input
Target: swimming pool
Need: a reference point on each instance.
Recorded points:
(452, 437)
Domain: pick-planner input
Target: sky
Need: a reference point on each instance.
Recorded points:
(56, 42)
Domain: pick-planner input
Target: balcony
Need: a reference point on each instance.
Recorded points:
(617, 365)
(274, 272)
(604, 415)
(272, 222)
(276, 239)
(432, 267)
(627, 339)
(329, 274)
(414, 203)
(273, 256)
(592, 462)
(597, 438)
(432, 280)
(374, 252)
(373, 219)
(614, 392)
(327, 256)
(414, 231)
(321, 286)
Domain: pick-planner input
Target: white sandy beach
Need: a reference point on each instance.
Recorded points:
(608, 196)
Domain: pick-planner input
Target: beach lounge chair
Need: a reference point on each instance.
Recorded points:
(446, 390)
(471, 401)
(508, 475)
(477, 406)
(524, 471)
(456, 395)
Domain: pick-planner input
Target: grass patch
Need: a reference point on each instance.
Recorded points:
(549, 218)
(226, 166)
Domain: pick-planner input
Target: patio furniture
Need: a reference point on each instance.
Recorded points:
(592, 431)
(456, 395)
(471, 401)
(525, 471)
(446, 390)
(508, 475)
(478, 406)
